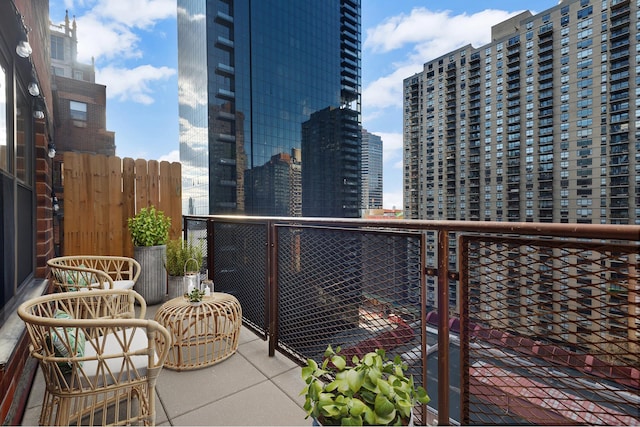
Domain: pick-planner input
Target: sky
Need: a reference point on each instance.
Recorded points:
(134, 45)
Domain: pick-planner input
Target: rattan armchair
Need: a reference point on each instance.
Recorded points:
(71, 273)
(112, 380)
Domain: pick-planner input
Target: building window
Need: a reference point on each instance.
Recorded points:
(78, 110)
(78, 75)
(57, 48)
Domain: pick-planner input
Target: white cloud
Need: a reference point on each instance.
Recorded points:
(425, 27)
(108, 40)
(136, 13)
(132, 84)
(391, 145)
(387, 90)
(173, 156)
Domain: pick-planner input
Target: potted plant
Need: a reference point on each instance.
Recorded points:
(369, 391)
(181, 254)
(149, 230)
(195, 296)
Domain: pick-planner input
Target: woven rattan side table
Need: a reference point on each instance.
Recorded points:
(201, 334)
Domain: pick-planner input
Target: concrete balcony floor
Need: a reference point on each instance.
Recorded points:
(249, 388)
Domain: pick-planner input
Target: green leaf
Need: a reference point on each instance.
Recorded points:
(383, 406)
(357, 407)
(422, 396)
(339, 362)
(355, 380)
(384, 387)
(351, 421)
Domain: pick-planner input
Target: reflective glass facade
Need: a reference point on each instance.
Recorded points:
(250, 74)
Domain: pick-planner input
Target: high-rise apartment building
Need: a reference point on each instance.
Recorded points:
(541, 124)
(371, 170)
(251, 73)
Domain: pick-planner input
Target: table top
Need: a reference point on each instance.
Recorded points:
(214, 299)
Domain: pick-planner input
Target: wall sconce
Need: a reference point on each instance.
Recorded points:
(33, 88)
(54, 200)
(23, 49)
(38, 109)
(52, 150)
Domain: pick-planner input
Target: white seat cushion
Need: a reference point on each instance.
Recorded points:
(123, 284)
(120, 284)
(112, 345)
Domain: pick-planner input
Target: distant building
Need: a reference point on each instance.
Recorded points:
(371, 171)
(277, 186)
(80, 104)
(540, 124)
(250, 73)
(331, 164)
(383, 214)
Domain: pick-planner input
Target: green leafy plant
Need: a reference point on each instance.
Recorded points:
(371, 391)
(178, 253)
(149, 227)
(195, 295)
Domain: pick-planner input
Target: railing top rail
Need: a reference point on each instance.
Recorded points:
(592, 231)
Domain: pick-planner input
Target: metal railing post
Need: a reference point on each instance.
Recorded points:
(272, 286)
(443, 327)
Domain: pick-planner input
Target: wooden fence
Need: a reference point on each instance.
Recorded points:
(101, 193)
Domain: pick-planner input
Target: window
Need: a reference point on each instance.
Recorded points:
(17, 163)
(585, 12)
(57, 48)
(4, 147)
(78, 110)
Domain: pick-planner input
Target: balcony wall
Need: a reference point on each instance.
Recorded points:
(539, 323)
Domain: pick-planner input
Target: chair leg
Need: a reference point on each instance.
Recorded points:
(62, 412)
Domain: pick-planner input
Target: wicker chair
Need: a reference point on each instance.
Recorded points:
(71, 273)
(112, 380)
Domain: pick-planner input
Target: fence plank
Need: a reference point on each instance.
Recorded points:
(85, 213)
(142, 185)
(115, 207)
(70, 170)
(153, 170)
(129, 201)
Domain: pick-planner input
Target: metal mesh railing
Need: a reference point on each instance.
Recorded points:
(532, 328)
(358, 289)
(354, 288)
(240, 268)
(552, 331)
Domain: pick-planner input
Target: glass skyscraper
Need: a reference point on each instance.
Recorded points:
(251, 73)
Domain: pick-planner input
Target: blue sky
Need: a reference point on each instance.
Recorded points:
(134, 46)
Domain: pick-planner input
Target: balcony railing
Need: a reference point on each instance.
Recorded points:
(540, 325)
